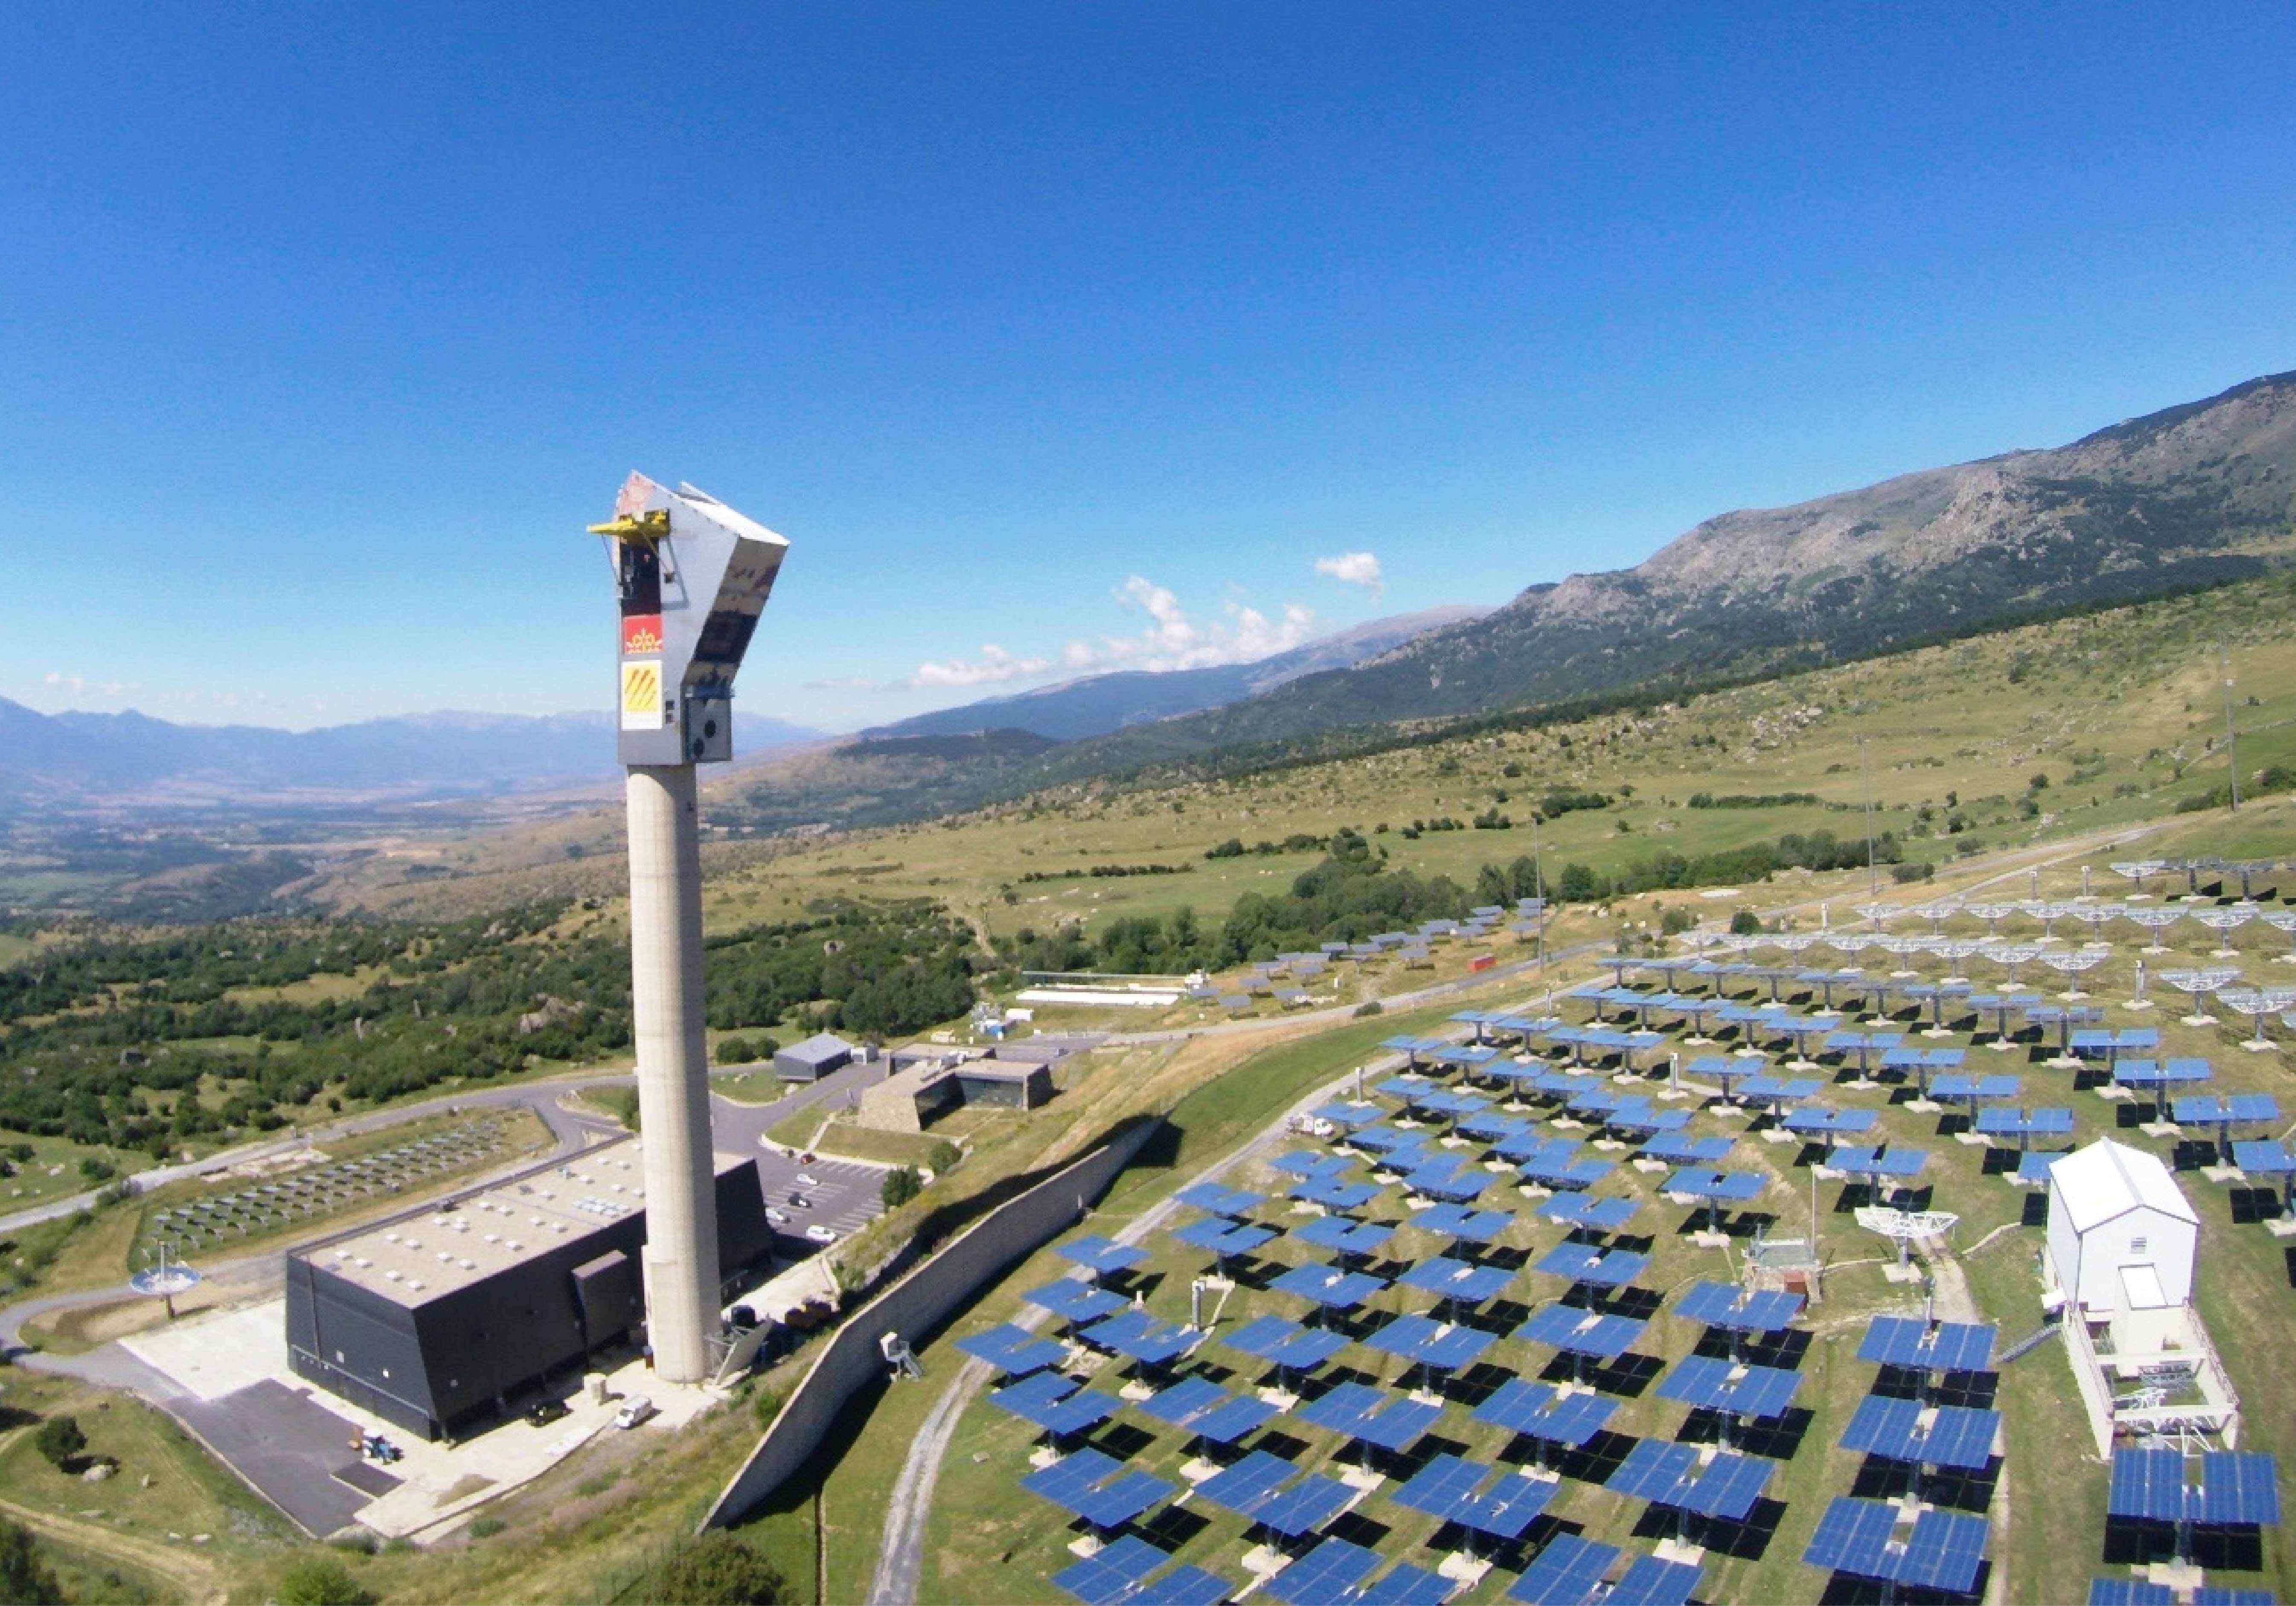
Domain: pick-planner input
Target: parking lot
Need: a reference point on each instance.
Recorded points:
(841, 1197)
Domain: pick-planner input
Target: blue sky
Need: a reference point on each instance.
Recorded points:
(1080, 333)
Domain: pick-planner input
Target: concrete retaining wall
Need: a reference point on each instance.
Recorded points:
(917, 1304)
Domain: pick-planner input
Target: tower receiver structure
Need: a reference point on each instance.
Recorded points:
(692, 576)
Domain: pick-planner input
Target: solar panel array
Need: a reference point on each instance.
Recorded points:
(1943, 1550)
(1348, 1287)
(2237, 1487)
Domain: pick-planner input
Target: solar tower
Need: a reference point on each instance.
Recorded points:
(692, 576)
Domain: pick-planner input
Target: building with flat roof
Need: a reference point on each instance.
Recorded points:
(929, 1082)
(440, 1319)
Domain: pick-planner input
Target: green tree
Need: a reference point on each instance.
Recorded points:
(321, 1581)
(900, 1187)
(1745, 923)
(59, 1439)
(716, 1569)
(24, 1580)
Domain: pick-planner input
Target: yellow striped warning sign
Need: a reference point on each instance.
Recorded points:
(642, 695)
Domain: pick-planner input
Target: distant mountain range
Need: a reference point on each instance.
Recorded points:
(59, 757)
(2198, 495)
(1097, 704)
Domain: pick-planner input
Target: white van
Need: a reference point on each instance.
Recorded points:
(634, 1409)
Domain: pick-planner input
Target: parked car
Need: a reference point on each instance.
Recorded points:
(546, 1411)
(780, 1218)
(820, 1234)
(634, 1409)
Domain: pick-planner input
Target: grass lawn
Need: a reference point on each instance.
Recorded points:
(752, 1087)
(126, 1521)
(881, 1147)
(52, 1172)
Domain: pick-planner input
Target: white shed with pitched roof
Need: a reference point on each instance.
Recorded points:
(2122, 1236)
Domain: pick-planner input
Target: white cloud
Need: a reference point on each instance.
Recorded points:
(81, 688)
(994, 664)
(1355, 568)
(1168, 640)
(1173, 640)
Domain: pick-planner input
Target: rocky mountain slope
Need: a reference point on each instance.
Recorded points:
(2197, 494)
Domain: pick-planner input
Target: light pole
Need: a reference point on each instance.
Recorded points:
(1865, 779)
(2232, 737)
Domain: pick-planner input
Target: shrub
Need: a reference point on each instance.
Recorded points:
(95, 1170)
(487, 1528)
(1369, 1007)
(901, 1186)
(715, 1569)
(736, 1051)
(944, 1157)
(321, 1581)
(1903, 874)
(22, 1575)
(765, 1405)
(623, 1101)
(1745, 923)
(60, 1440)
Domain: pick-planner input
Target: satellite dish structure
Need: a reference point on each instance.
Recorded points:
(1905, 1227)
(164, 1279)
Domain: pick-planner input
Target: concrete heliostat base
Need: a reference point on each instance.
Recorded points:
(681, 1251)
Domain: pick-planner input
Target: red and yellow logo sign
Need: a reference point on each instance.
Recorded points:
(640, 633)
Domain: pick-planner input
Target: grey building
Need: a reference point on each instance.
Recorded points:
(814, 1058)
(440, 1320)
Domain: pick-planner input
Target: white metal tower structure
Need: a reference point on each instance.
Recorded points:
(692, 576)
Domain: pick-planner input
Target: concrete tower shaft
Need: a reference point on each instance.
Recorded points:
(681, 1251)
(691, 578)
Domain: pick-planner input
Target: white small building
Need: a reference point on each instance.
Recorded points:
(2122, 1237)
(2123, 1245)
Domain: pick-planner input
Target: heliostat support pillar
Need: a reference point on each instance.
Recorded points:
(680, 1248)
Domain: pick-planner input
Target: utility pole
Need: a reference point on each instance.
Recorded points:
(1538, 859)
(1866, 777)
(1538, 887)
(2232, 737)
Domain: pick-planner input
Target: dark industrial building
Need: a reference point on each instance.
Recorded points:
(441, 1318)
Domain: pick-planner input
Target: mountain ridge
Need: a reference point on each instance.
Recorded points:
(72, 756)
(1096, 704)
(2196, 495)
